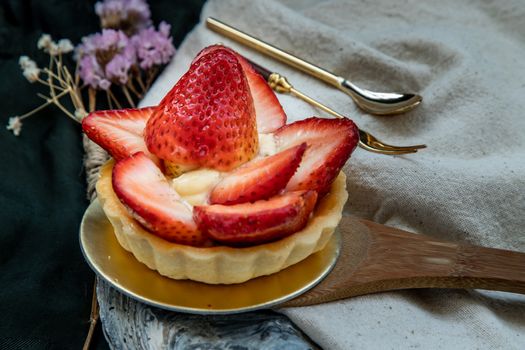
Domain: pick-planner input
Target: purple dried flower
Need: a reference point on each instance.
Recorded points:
(108, 40)
(127, 15)
(104, 58)
(117, 69)
(92, 74)
(154, 47)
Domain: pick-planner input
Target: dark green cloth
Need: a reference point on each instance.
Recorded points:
(45, 285)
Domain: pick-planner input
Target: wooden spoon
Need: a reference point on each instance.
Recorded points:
(376, 258)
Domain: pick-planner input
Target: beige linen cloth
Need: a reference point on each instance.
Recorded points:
(467, 59)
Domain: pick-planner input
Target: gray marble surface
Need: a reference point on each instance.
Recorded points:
(129, 324)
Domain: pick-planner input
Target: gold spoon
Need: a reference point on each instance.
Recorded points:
(379, 103)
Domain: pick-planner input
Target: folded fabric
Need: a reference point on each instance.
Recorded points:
(466, 59)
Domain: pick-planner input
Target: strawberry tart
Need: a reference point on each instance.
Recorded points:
(212, 185)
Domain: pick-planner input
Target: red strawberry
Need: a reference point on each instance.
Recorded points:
(259, 222)
(258, 179)
(268, 111)
(207, 119)
(143, 189)
(330, 143)
(120, 132)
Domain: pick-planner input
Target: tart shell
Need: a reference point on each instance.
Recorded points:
(221, 264)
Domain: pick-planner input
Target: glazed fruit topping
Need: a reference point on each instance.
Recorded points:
(269, 112)
(212, 120)
(259, 178)
(120, 132)
(258, 222)
(330, 143)
(208, 118)
(143, 189)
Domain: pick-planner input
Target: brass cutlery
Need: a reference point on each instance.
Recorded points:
(367, 141)
(379, 103)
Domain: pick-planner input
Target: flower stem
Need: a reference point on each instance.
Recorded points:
(152, 73)
(128, 96)
(54, 99)
(46, 83)
(133, 89)
(59, 65)
(44, 105)
(50, 67)
(50, 81)
(52, 92)
(50, 75)
(63, 109)
(119, 106)
(75, 93)
(141, 83)
(77, 75)
(92, 94)
(93, 318)
(110, 102)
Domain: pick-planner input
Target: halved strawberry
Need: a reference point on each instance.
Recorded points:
(258, 222)
(258, 179)
(145, 192)
(330, 143)
(268, 111)
(208, 118)
(120, 132)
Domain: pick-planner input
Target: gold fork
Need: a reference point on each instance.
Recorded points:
(367, 141)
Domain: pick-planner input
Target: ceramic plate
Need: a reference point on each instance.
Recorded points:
(120, 268)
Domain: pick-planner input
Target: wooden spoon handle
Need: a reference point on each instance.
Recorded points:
(377, 258)
(440, 264)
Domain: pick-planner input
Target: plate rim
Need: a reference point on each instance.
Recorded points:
(199, 311)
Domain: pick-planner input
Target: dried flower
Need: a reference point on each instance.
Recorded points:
(44, 42)
(92, 73)
(118, 68)
(80, 113)
(15, 125)
(53, 49)
(107, 40)
(123, 54)
(29, 68)
(104, 58)
(127, 15)
(47, 44)
(154, 47)
(65, 46)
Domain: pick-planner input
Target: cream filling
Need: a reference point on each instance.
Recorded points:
(267, 146)
(195, 186)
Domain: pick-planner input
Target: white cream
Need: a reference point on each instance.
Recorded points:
(267, 145)
(195, 186)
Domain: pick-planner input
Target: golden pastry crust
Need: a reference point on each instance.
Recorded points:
(221, 264)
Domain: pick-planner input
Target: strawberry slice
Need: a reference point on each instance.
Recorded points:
(258, 179)
(330, 143)
(268, 111)
(120, 132)
(208, 118)
(258, 222)
(145, 192)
